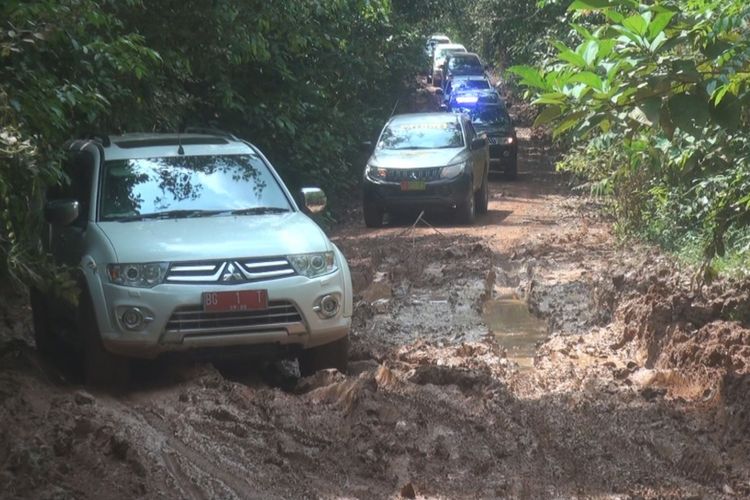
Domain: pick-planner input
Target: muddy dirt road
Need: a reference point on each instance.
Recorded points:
(621, 382)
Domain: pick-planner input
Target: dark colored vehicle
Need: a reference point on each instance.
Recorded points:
(427, 160)
(465, 83)
(461, 64)
(494, 121)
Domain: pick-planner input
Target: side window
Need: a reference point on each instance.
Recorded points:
(79, 168)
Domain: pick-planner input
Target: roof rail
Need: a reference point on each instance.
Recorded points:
(210, 131)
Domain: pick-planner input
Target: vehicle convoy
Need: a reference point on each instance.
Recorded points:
(442, 51)
(427, 160)
(461, 64)
(190, 242)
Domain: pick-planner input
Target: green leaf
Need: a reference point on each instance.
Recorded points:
(689, 112)
(547, 115)
(589, 50)
(636, 24)
(587, 77)
(550, 98)
(658, 24)
(531, 77)
(573, 58)
(651, 107)
(726, 113)
(569, 122)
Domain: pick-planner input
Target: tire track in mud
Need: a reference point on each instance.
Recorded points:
(176, 446)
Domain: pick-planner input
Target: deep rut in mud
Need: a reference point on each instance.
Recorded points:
(631, 384)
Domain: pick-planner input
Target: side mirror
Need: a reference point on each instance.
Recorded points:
(486, 67)
(478, 143)
(313, 199)
(61, 212)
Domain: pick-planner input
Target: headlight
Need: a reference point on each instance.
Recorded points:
(505, 140)
(452, 171)
(313, 264)
(138, 275)
(377, 173)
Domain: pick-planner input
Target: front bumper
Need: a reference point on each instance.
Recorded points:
(503, 157)
(166, 301)
(441, 193)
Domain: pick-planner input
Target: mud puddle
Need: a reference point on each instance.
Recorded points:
(515, 328)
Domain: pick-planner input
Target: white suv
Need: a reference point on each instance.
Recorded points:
(190, 241)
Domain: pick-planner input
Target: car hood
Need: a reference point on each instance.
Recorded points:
(415, 158)
(219, 237)
(494, 130)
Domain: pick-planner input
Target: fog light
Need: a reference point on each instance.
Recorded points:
(327, 306)
(132, 318)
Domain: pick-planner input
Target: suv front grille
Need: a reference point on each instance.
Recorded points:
(192, 320)
(413, 174)
(230, 272)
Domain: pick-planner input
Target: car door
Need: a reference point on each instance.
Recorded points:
(477, 155)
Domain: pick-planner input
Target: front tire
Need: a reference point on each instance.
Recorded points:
(373, 214)
(482, 200)
(44, 337)
(102, 368)
(333, 355)
(467, 209)
(512, 173)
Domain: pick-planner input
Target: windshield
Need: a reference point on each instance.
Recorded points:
(472, 85)
(490, 117)
(465, 65)
(186, 186)
(422, 136)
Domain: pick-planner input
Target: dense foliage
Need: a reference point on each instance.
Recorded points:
(305, 81)
(657, 96)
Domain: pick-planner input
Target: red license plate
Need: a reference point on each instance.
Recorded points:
(246, 300)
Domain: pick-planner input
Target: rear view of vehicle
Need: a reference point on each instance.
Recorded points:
(441, 53)
(424, 161)
(191, 243)
(465, 83)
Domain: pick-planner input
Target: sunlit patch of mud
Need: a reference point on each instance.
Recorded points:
(515, 329)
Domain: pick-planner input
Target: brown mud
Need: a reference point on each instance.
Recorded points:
(639, 388)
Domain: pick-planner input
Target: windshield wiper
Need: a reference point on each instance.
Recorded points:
(258, 211)
(170, 214)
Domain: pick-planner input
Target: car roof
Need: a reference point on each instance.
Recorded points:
(412, 118)
(443, 46)
(152, 145)
(439, 37)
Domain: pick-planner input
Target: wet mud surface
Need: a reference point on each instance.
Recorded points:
(626, 381)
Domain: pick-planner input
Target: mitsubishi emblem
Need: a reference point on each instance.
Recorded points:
(231, 273)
